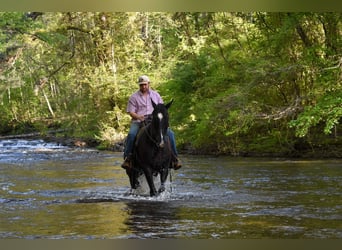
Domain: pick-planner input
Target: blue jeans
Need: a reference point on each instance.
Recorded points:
(133, 130)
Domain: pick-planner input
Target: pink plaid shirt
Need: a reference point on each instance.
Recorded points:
(142, 105)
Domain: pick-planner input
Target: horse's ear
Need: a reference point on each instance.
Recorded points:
(153, 104)
(169, 104)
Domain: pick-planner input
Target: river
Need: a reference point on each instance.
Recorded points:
(48, 191)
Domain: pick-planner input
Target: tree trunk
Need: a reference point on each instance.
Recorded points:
(48, 103)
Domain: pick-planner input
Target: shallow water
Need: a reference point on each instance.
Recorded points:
(55, 192)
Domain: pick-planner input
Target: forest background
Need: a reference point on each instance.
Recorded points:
(248, 84)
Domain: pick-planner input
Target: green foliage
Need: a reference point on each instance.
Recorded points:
(257, 84)
(328, 110)
(242, 82)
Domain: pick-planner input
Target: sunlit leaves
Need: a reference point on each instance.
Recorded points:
(327, 110)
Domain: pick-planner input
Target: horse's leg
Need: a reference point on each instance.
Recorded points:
(149, 178)
(163, 176)
(130, 177)
(133, 178)
(136, 183)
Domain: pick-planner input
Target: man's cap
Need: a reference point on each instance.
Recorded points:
(143, 80)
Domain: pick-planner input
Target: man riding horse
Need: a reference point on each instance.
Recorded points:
(140, 108)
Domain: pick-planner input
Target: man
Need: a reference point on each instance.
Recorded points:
(139, 107)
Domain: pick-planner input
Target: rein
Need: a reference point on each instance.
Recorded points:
(160, 145)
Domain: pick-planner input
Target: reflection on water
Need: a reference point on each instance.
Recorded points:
(48, 191)
(151, 219)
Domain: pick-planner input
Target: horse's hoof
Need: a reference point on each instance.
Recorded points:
(129, 192)
(136, 185)
(161, 189)
(152, 194)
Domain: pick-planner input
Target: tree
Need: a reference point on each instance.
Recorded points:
(258, 80)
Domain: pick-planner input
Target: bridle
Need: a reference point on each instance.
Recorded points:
(148, 127)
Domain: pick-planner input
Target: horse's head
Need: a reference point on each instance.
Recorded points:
(160, 120)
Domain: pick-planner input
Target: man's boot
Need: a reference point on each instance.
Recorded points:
(176, 164)
(127, 164)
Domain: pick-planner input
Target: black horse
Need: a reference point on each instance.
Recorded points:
(152, 153)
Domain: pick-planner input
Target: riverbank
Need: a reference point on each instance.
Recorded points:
(304, 150)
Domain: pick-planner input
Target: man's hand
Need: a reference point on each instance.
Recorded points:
(135, 116)
(140, 118)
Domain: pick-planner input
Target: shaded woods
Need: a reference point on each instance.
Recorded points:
(250, 84)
